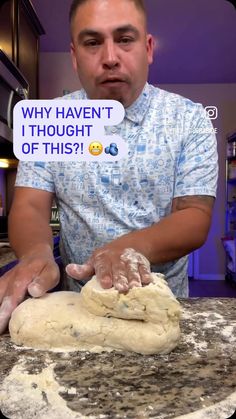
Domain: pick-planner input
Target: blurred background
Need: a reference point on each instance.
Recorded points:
(194, 57)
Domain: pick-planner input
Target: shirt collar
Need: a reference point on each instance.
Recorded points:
(138, 109)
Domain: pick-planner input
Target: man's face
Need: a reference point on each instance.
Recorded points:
(110, 49)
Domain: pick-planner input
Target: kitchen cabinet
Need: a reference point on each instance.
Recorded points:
(29, 31)
(20, 30)
(229, 241)
(7, 25)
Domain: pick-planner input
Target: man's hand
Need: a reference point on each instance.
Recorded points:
(36, 275)
(122, 269)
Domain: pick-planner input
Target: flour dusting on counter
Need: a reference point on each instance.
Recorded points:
(41, 391)
(208, 323)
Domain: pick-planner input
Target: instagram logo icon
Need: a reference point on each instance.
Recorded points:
(211, 112)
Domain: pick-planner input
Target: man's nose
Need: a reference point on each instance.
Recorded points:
(110, 57)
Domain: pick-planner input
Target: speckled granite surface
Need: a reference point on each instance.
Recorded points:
(199, 373)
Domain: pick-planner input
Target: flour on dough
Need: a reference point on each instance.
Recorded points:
(145, 320)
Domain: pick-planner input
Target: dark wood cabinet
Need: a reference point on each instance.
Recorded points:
(7, 28)
(20, 30)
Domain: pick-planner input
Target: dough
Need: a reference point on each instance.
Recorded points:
(145, 320)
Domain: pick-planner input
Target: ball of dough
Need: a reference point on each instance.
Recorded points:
(145, 320)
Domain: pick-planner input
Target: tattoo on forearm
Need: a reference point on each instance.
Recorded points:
(202, 202)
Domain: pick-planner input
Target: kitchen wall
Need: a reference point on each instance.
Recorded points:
(56, 75)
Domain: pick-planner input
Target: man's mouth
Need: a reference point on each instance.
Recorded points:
(112, 81)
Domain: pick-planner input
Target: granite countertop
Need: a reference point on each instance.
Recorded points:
(198, 376)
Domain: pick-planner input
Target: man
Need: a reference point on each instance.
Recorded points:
(153, 207)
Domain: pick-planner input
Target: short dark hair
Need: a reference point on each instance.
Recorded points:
(77, 3)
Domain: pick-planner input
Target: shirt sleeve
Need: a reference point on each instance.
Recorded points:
(197, 166)
(36, 175)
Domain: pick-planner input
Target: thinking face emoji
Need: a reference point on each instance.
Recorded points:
(95, 148)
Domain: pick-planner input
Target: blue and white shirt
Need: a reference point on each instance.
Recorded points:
(171, 153)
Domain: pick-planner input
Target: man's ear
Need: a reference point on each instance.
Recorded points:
(73, 56)
(150, 48)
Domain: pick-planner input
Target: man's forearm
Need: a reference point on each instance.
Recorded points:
(31, 238)
(173, 237)
(29, 232)
(124, 262)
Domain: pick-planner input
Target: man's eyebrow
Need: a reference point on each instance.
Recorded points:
(119, 30)
(127, 28)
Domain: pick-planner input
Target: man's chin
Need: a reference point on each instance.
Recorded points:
(113, 96)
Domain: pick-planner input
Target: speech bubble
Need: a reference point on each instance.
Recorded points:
(63, 130)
